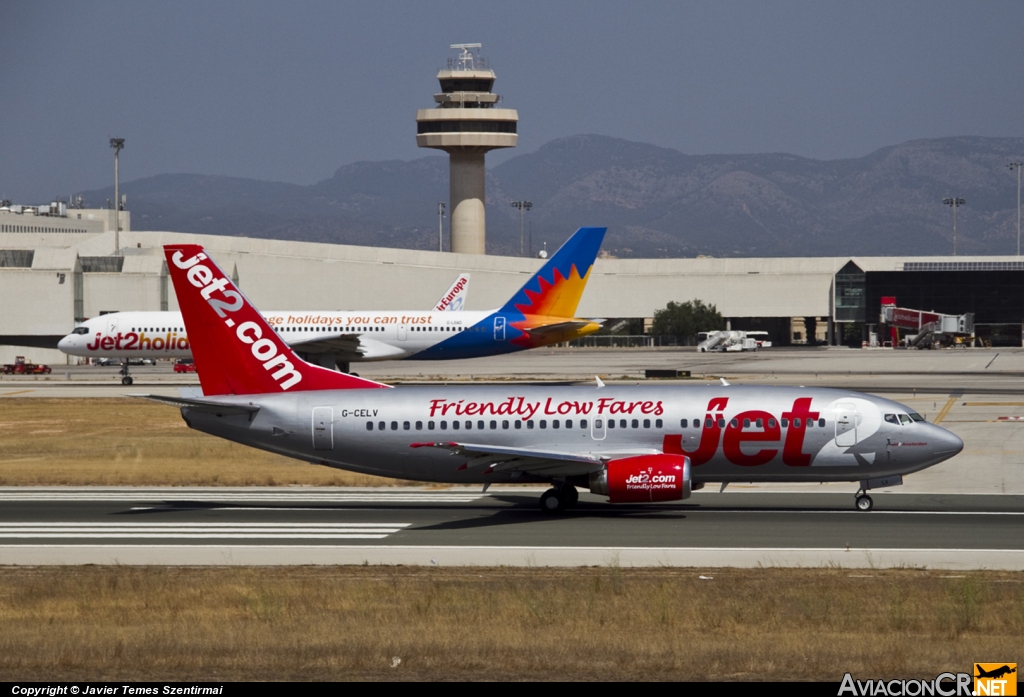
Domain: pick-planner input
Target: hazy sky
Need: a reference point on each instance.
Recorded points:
(289, 91)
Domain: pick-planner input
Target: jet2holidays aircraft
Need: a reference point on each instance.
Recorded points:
(633, 444)
(541, 313)
(162, 334)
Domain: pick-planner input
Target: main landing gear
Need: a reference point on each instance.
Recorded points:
(126, 379)
(864, 502)
(562, 496)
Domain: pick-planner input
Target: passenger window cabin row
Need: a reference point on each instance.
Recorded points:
(493, 425)
(506, 424)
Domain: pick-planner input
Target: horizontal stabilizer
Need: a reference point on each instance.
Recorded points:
(206, 406)
(557, 327)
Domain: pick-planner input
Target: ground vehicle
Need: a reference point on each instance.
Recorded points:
(632, 444)
(131, 361)
(184, 365)
(24, 367)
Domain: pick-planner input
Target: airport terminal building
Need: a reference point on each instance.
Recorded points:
(51, 279)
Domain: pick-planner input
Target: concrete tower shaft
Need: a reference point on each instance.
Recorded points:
(466, 124)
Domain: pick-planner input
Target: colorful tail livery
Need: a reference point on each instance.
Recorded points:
(234, 348)
(556, 289)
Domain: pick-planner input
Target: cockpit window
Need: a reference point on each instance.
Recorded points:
(891, 418)
(916, 417)
(81, 330)
(904, 419)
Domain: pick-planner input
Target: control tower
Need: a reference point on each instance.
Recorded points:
(466, 125)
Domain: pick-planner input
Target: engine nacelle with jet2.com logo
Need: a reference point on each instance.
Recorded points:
(264, 349)
(648, 478)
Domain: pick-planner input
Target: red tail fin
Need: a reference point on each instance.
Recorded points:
(235, 350)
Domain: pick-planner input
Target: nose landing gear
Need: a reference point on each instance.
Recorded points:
(126, 378)
(864, 502)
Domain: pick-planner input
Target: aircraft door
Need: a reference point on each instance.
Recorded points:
(401, 332)
(598, 428)
(846, 425)
(323, 428)
(111, 325)
(499, 328)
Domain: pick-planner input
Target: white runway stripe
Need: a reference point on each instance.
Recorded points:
(443, 497)
(201, 531)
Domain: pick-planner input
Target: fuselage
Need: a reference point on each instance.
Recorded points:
(427, 335)
(730, 433)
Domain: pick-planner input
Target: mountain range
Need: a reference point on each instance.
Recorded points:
(656, 202)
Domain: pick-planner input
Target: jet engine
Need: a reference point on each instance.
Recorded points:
(644, 479)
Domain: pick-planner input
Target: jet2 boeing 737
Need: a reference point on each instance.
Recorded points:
(541, 313)
(629, 443)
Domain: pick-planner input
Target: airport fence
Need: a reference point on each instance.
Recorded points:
(623, 341)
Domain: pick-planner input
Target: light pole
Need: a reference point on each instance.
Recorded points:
(117, 144)
(954, 203)
(1017, 166)
(523, 206)
(440, 227)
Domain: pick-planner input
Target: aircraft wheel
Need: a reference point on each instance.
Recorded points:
(552, 501)
(126, 380)
(864, 503)
(570, 495)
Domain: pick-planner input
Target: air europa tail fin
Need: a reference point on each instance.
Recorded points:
(556, 289)
(235, 350)
(454, 299)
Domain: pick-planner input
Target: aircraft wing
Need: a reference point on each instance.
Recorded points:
(208, 406)
(349, 347)
(496, 458)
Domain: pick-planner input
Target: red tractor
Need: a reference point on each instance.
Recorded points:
(23, 367)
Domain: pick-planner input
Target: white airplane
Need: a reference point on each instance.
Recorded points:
(145, 335)
(541, 313)
(633, 444)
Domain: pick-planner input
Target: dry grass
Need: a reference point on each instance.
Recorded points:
(135, 442)
(142, 623)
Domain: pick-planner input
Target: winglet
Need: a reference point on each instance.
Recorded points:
(725, 383)
(600, 384)
(235, 350)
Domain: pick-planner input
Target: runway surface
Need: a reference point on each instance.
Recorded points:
(503, 527)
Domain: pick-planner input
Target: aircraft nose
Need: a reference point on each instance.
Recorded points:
(65, 343)
(945, 443)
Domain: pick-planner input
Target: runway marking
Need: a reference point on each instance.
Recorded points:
(203, 531)
(994, 404)
(8, 394)
(945, 410)
(166, 496)
(850, 512)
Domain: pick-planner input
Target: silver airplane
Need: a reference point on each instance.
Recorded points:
(632, 444)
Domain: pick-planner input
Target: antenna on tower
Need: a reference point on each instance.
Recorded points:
(466, 58)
